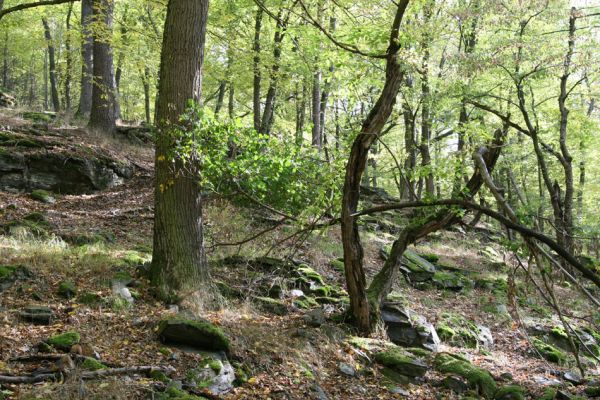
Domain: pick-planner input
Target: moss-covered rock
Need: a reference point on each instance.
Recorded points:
(270, 305)
(477, 378)
(92, 364)
(415, 268)
(549, 352)
(67, 289)
(64, 341)
(306, 302)
(401, 362)
(309, 274)
(431, 257)
(458, 331)
(338, 265)
(201, 334)
(510, 392)
(43, 196)
(35, 116)
(592, 391)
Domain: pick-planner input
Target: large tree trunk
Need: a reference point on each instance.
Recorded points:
(178, 263)
(87, 63)
(371, 127)
(52, 65)
(103, 116)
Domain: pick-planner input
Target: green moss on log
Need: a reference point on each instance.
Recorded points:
(64, 341)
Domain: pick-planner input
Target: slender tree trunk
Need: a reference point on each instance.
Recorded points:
(145, 75)
(124, 31)
(103, 116)
(410, 147)
(301, 96)
(269, 111)
(327, 89)
(567, 159)
(69, 61)
(5, 76)
(46, 91)
(317, 139)
(52, 65)
(256, 69)
(426, 107)
(179, 264)
(220, 98)
(87, 62)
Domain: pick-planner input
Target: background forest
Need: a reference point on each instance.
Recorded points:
(453, 142)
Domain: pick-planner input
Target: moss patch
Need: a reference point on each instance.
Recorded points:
(42, 195)
(338, 265)
(7, 271)
(477, 378)
(510, 392)
(270, 305)
(92, 364)
(400, 362)
(64, 341)
(199, 333)
(549, 352)
(592, 391)
(67, 289)
(307, 272)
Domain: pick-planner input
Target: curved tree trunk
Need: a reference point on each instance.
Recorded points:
(371, 128)
(178, 262)
(103, 116)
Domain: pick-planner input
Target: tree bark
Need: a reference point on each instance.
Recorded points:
(103, 116)
(69, 61)
(5, 76)
(179, 264)
(146, 84)
(426, 106)
(87, 56)
(256, 69)
(371, 127)
(269, 111)
(52, 66)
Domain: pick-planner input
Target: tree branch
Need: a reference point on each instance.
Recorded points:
(25, 6)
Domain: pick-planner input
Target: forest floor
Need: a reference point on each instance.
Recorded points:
(283, 356)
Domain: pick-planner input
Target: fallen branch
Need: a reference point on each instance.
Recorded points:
(86, 374)
(124, 371)
(28, 378)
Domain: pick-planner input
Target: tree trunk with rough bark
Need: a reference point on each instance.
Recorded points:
(103, 115)
(371, 127)
(69, 60)
(256, 68)
(179, 266)
(52, 66)
(87, 56)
